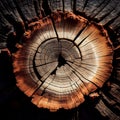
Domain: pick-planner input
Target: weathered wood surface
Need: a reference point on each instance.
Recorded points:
(20, 19)
(62, 62)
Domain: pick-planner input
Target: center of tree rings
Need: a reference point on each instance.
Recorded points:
(66, 58)
(53, 56)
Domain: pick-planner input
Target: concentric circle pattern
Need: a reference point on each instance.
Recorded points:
(66, 58)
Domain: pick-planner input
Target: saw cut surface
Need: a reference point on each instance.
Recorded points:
(65, 59)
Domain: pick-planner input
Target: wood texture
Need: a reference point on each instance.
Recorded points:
(64, 60)
(21, 21)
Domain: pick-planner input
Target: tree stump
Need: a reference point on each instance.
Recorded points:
(65, 58)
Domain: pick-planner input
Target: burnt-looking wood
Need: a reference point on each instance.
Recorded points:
(51, 68)
(103, 13)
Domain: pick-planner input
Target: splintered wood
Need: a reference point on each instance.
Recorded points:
(65, 58)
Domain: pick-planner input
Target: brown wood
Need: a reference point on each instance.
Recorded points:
(65, 58)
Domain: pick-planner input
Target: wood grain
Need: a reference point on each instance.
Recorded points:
(66, 58)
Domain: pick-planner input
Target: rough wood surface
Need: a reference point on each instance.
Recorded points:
(67, 58)
(19, 20)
